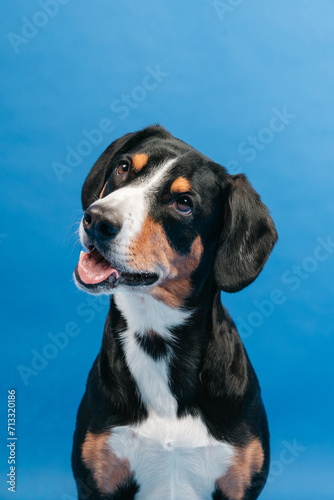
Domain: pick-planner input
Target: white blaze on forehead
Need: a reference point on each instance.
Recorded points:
(154, 181)
(132, 202)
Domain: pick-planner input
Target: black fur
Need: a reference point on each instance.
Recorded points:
(247, 238)
(154, 346)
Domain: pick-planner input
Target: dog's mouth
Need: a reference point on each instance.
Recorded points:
(94, 270)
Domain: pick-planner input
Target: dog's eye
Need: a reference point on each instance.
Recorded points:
(184, 205)
(123, 168)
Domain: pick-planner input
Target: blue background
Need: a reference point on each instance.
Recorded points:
(228, 69)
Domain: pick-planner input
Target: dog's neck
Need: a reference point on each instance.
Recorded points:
(171, 358)
(163, 347)
(146, 315)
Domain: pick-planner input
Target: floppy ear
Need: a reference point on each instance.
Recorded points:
(100, 172)
(247, 238)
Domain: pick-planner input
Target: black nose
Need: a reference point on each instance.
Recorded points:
(97, 225)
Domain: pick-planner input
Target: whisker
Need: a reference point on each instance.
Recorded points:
(72, 229)
(75, 246)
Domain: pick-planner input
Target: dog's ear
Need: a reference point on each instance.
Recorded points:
(100, 172)
(247, 237)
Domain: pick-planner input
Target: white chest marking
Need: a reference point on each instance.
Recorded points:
(172, 459)
(144, 313)
(151, 377)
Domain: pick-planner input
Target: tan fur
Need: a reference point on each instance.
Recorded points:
(139, 160)
(174, 291)
(101, 194)
(152, 249)
(247, 461)
(180, 185)
(109, 472)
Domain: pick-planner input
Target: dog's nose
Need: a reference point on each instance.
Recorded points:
(97, 225)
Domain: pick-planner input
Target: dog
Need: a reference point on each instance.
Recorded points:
(172, 408)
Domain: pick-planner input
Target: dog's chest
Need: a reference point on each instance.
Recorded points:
(172, 459)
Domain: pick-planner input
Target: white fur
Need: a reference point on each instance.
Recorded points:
(173, 459)
(144, 313)
(151, 377)
(129, 201)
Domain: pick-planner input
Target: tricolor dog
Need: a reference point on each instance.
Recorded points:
(172, 408)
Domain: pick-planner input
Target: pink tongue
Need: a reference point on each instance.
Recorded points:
(94, 268)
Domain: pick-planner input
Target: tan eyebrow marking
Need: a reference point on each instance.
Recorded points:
(180, 185)
(139, 160)
(101, 194)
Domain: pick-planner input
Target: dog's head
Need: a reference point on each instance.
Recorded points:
(161, 218)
